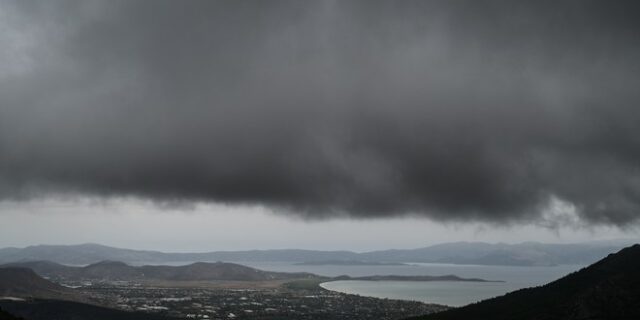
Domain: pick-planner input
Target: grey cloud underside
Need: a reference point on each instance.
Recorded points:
(457, 110)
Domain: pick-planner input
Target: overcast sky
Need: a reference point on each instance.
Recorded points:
(135, 224)
(274, 123)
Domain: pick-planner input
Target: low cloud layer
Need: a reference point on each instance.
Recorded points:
(455, 110)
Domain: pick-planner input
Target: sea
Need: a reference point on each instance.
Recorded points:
(449, 293)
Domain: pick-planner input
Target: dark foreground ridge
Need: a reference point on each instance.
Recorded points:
(57, 309)
(608, 289)
(7, 316)
(23, 282)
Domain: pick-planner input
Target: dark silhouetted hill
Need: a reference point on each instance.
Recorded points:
(608, 289)
(7, 316)
(24, 282)
(67, 310)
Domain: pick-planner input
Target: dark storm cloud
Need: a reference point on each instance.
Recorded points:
(456, 110)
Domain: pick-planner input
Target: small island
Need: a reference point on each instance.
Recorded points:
(412, 278)
(349, 263)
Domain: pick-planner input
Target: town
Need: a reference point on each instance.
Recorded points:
(291, 302)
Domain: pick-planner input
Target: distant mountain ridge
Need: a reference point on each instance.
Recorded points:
(114, 270)
(523, 254)
(608, 289)
(200, 271)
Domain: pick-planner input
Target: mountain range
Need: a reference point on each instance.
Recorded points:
(523, 254)
(114, 271)
(199, 271)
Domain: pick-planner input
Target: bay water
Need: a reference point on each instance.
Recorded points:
(451, 293)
